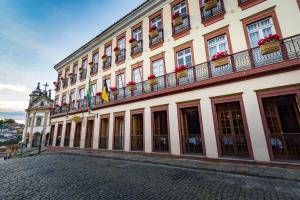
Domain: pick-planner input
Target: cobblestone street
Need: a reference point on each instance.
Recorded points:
(59, 176)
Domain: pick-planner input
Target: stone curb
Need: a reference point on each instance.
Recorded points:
(261, 171)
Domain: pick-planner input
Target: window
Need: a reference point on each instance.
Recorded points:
(67, 73)
(217, 44)
(75, 68)
(38, 121)
(184, 57)
(137, 34)
(259, 30)
(84, 63)
(64, 99)
(95, 57)
(121, 43)
(72, 96)
(29, 121)
(181, 8)
(81, 93)
(120, 80)
(157, 22)
(137, 75)
(158, 68)
(108, 83)
(94, 89)
(108, 50)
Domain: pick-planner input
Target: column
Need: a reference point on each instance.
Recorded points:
(72, 135)
(127, 131)
(111, 132)
(55, 134)
(255, 126)
(83, 132)
(63, 133)
(147, 129)
(208, 128)
(96, 132)
(174, 130)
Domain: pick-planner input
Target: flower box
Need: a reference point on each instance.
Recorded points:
(269, 44)
(152, 80)
(133, 42)
(117, 51)
(98, 94)
(181, 71)
(104, 58)
(153, 32)
(176, 19)
(92, 65)
(210, 4)
(80, 69)
(220, 59)
(114, 91)
(131, 86)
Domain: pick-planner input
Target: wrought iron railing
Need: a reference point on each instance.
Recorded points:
(122, 56)
(57, 86)
(73, 79)
(118, 142)
(191, 143)
(156, 40)
(207, 14)
(286, 145)
(138, 48)
(94, 70)
(160, 143)
(234, 145)
(137, 142)
(237, 62)
(103, 142)
(83, 74)
(185, 25)
(107, 63)
(65, 82)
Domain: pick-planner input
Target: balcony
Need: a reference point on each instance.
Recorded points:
(73, 79)
(121, 57)
(158, 39)
(214, 14)
(107, 63)
(137, 49)
(94, 69)
(65, 82)
(83, 74)
(184, 26)
(241, 65)
(57, 86)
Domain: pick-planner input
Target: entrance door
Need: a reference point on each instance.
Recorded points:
(119, 133)
(160, 131)
(104, 124)
(190, 131)
(67, 135)
(137, 132)
(231, 130)
(36, 140)
(89, 134)
(51, 135)
(77, 134)
(58, 138)
(283, 120)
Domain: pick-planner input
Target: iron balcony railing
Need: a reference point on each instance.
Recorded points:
(286, 145)
(107, 63)
(185, 25)
(192, 144)
(118, 142)
(83, 74)
(73, 79)
(103, 142)
(122, 56)
(234, 145)
(137, 142)
(65, 82)
(238, 62)
(160, 143)
(156, 40)
(138, 48)
(94, 70)
(207, 14)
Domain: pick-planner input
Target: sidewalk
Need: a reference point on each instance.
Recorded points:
(234, 168)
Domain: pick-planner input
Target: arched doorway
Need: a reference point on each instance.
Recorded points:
(36, 139)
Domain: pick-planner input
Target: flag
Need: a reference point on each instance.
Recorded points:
(89, 94)
(105, 92)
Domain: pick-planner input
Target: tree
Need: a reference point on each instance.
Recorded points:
(1, 122)
(9, 121)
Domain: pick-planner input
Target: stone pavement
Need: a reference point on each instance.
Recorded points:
(72, 177)
(234, 168)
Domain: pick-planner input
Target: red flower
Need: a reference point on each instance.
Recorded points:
(180, 68)
(117, 48)
(73, 101)
(132, 40)
(90, 63)
(80, 68)
(56, 105)
(98, 93)
(151, 76)
(113, 88)
(104, 56)
(50, 108)
(176, 15)
(153, 28)
(270, 38)
(220, 54)
(84, 97)
(131, 83)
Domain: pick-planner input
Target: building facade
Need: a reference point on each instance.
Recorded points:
(37, 123)
(244, 106)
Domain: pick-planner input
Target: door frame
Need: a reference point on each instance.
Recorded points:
(118, 114)
(273, 92)
(86, 132)
(228, 99)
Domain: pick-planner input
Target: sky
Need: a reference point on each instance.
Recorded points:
(37, 34)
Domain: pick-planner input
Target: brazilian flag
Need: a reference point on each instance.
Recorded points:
(105, 92)
(89, 94)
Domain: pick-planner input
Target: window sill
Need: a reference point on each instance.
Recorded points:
(213, 19)
(138, 54)
(157, 45)
(120, 62)
(182, 34)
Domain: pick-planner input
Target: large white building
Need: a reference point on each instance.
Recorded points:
(244, 105)
(37, 123)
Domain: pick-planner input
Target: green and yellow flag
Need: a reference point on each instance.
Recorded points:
(105, 92)
(89, 94)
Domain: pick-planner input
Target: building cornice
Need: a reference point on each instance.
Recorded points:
(114, 29)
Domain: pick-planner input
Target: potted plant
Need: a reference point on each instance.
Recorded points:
(269, 44)
(114, 90)
(98, 94)
(177, 19)
(81, 69)
(153, 31)
(181, 71)
(117, 51)
(131, 85)
(104, 58)
(220, 59)
(152, 80)
(133, 42)
(91, 64)
(210, 4)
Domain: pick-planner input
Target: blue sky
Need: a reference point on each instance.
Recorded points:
(36, 34)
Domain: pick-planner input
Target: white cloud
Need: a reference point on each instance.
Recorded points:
(13, 106)
(14, 88)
